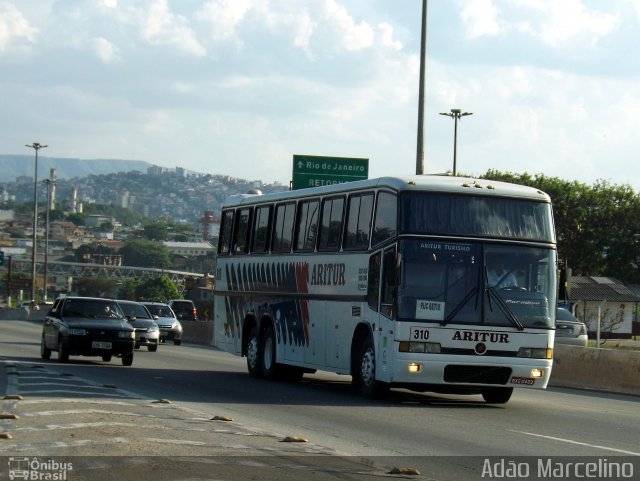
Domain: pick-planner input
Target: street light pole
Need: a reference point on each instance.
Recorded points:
(49, 182)
(421, 89)
(36, 147)
(455, 114)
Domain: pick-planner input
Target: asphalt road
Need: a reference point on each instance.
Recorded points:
(95, 410)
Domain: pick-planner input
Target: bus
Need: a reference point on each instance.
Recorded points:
(430, 283)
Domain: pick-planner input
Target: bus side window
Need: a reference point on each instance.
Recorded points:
(359, 222)
(373, 281)
(307, 225)
(241, 234)
(260, 235)
(388, 292)
(226, 230)
(283, 227)
(331, 224)
(386, 221)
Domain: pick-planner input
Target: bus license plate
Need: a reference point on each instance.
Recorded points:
(101, 345)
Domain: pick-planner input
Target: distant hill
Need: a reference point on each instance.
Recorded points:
(13, 166)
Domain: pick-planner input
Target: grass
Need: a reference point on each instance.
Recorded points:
(627, 344)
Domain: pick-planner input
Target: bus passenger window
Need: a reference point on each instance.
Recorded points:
(283, 228)
(331, 225)
(386, 222)
(241, 237)
(226, 230)
(307, 225)
(260, 241)
(359, 222)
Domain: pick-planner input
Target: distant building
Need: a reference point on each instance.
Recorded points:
(189, 249)
(607, 297)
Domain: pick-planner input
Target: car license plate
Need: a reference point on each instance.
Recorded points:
(101, 345)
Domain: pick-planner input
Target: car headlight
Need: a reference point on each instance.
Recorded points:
(77, 332)
(153, 328)
(126, 335)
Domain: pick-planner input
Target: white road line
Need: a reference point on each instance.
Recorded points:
(78, 392)
(571, 441)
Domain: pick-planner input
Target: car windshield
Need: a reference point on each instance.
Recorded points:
(476, 283)
(160, 310)
(135, 310)
(92, 309)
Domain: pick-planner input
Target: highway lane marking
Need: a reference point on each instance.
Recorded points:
(580, 443)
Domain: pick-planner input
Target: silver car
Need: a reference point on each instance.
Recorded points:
(570, 330)
(146, 329)
(170, 327)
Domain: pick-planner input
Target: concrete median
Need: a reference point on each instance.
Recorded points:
(607, 370)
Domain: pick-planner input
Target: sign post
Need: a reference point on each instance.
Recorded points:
(316, 171)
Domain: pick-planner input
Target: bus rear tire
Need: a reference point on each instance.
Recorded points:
(497, 395)
(364, 376)
(254, 367)
(269, 366)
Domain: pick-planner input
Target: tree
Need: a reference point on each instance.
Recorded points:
(159, 289)
(142, 253)
(96, 286)
(596, 226)
(156, 231)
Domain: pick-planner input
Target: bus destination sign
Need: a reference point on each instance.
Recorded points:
(316, 171)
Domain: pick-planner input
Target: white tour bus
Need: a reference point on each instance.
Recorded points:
(431, 283)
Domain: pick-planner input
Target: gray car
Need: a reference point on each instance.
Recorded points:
(570, 330)
(170, 327)
(146, 329)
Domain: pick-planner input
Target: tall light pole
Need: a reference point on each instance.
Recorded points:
(35, 146)
(421, 88)
(455, 114)
(49, 182)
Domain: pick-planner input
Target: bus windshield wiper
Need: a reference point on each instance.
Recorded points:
(460, 305)
(506, 310)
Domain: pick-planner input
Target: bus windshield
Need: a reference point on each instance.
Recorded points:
(476, 283)
(474, 215)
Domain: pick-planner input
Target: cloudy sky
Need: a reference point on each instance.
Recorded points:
(238, 86)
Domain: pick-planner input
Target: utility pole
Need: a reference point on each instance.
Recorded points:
(49, 182)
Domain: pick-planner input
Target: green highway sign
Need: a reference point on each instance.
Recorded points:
(315, 170)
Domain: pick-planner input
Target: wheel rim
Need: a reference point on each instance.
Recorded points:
(268, 353)
(252, 352)
(368, 367)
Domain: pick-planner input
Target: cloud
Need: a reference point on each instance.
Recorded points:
(162, 27)
(106, 51)
(14, 26)
(480, 18)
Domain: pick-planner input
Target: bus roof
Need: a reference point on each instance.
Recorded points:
(426, 183)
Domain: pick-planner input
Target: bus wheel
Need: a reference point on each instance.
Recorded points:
(253, 354)
(497, 395)
(365, 375)
(270, 369)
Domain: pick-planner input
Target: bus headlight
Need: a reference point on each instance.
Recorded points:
(414, 367)
(535, 352)
(429, 347)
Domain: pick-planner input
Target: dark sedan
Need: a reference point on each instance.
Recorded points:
(87, 326)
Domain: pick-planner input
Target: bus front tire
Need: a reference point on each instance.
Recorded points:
(497, 395)
(365, 373)
(253, 354)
